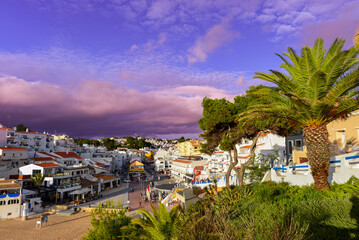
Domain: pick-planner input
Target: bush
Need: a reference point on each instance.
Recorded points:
(266, 210)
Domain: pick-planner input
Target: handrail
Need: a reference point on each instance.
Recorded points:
(302, 166)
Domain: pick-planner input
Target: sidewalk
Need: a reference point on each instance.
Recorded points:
(134, 198)
(117, 195)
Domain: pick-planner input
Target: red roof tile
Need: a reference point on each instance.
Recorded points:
(43, 159)
(6, 128)
(30, 132)
(68, 155)
(47, 165)
(104, 176)
(13, 149)
(182, 161)
(248, 146)
(48, 154)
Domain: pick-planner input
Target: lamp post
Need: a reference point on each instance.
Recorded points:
(56, 201)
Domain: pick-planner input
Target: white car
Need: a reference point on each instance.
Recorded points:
(127, 180)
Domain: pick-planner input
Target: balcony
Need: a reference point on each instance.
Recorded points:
(59, 174)
(298, 149)
(70, 185)
(10, 136)
(11, 143)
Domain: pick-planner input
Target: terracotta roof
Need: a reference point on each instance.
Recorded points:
(48, 154)
(87, 183)
(6, 128)
(8, 184)
(219, 152)
(243, 157)
(132, 161)
(248, 146)
(183, 161)
(238, 166)
(13, 149)
(99, 164)
(199, 168)
(68, 155)
(20, 177)
(104, 176)
(47, 165)
(30, 132)
(43, 159)
(263, 134)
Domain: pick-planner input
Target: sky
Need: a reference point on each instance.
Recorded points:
(103, 68)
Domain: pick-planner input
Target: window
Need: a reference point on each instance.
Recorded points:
(298, 143)
(2, 203)
(290, 146)
(35, 171)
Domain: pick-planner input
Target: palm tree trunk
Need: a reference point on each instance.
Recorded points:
(318, 152)
(250, 161)
(229, 170)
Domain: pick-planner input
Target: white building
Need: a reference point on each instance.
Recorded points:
(3, 134)
(268, 144)
(32, 141)
(183, 169)
(56, 177)
(13, 157)
(10, 199)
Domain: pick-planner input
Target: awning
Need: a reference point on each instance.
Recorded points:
(80, 191)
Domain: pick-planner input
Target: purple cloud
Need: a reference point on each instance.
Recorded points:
(103, 108)
(215, 37)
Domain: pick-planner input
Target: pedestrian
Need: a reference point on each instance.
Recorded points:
(140, 203)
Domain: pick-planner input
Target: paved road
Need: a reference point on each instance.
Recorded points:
(117, 195)
(121, 194)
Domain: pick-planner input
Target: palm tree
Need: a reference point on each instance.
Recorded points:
(356, 39)
(161, 224)
(319, 86)
(38, 179)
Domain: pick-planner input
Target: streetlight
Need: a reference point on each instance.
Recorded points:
(56, 201)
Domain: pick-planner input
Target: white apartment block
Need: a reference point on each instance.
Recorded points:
(32, 141)
(13, 157)
(184, 168)
(268, 144)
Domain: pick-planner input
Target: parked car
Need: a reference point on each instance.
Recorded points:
(127, 180)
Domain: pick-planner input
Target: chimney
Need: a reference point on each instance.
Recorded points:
(67, 151)
(27, 130)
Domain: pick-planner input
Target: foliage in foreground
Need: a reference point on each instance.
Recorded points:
(266, 210)
(108, 223)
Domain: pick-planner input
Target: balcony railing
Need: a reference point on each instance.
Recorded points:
(58, 174)
(299, 149)
(64, 186)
